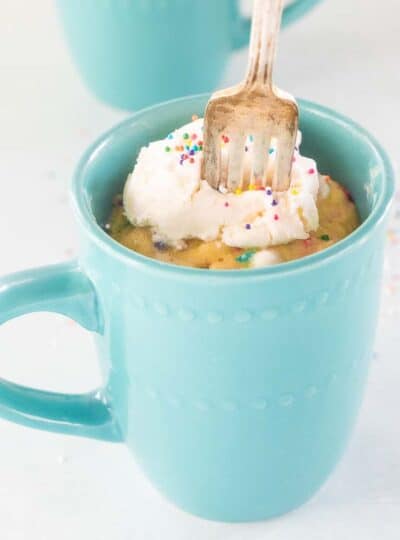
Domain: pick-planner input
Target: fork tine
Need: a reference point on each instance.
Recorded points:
(235, 162)
(285, 144)
(223, 169)
(260, 158)
(211, 167)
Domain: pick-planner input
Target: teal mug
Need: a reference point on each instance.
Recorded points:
(133, 53)
(236, 391)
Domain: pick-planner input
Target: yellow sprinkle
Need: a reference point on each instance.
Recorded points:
(295, 192)
(238, 191)
(252, 187)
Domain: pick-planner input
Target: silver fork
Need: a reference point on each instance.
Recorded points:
(253, 108)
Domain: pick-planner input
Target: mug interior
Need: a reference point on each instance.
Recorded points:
(341, 149)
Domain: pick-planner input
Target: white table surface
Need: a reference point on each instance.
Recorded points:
(344, 55)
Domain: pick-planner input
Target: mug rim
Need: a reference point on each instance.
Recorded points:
(112, 247)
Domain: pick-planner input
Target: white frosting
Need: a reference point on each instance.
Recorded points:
(166, 193)
(264, 257)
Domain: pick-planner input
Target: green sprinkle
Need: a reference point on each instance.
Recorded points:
(246, 256)
(186, 135)
(167, 149)
(325, 237)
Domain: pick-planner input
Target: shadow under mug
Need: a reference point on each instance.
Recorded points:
(133, 53)
(236, 391)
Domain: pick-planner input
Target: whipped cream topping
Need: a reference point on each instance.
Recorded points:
(165, 192)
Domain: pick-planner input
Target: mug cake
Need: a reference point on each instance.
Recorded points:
(168, 212)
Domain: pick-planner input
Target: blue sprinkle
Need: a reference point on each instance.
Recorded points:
(271, 151)
(248, 226)
(160, 245)
(274, 202)
(246, 256)
(192, 153)
(187, 147)
(251, 138)
(170, 136)
(269, 192)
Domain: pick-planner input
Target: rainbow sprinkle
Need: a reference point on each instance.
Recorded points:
(186, 145)
(160, 245)
(246, 256)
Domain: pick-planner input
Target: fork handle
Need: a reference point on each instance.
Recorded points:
(267, 16)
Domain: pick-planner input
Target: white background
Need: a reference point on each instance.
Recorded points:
(345, 55)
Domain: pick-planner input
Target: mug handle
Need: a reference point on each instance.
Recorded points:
(64, 289)
(292, 12)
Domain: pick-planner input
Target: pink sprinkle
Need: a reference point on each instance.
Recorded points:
(227, 204)
(194, 136)
(276, 217)
(311, 171)
(294, 160)
(191, 160)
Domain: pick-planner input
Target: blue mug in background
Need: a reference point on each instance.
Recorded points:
(133, 53)
(236, 391)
